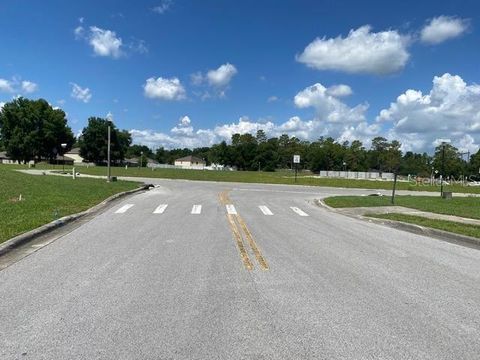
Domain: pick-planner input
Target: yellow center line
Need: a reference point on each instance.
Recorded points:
(241, 247)
(225, 200)
(258, 254)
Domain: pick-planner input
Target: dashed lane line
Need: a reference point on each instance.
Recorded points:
(265, 210)
(160, 209)
(124, 208)
(298, 211)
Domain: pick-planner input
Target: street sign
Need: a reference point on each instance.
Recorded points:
(296, 159)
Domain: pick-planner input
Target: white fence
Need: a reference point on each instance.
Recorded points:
(362, 175)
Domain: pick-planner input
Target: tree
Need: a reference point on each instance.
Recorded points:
(94, 141)
(33, 130)
(450, 160)
(261, 136)
(137, 150)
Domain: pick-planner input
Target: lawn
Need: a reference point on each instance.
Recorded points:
(277, 177)
(46, 198)
(468, 207)
(450, 226)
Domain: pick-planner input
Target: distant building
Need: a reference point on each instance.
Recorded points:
(62, 160)
(5, 159)
(190, 162)
(74, 154)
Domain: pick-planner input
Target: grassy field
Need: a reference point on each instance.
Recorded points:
(450, 226)
(468, 207)
(277, 177)
(46, 198)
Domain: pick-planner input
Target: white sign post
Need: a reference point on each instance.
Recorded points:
(296, 160)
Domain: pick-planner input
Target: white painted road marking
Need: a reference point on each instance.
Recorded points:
(265, 210)
(298, 211)
(123, 209)
(231, 209)
(196, 209)
(160, 209)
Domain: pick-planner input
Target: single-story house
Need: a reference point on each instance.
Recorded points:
(190, 162)
(62, 159)
(5, 159)
(75, 155)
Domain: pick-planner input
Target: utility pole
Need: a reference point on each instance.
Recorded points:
(394, 187)
(443, 170)
(108, 156)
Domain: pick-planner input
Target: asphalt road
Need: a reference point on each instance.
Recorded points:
(254, 272)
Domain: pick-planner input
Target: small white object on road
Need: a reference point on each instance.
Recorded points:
(298, 211)
(124, 209)
(265, 210)
(197, 209)
(160, 209)
(231, 209)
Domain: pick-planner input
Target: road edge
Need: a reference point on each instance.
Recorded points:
(412, 228)
(28, 236)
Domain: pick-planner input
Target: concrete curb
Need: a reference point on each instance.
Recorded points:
(42, 230)
(413, 228)
(426, 231)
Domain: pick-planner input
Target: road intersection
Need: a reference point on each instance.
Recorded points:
(197, 270)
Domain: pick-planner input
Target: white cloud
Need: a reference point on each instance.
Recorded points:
(185, 121)
(362, 51)
(328, 107)
(184, 133)
(450, 110)
(105, 42)
(79, 32)
(443, 28)
(138, 46)
(339, 90)
(164, 89)
(6, 86)
(272, 99)
(215, 83)
(222, 76)
(2, 104)
(29, 87)
(80, 94)
(196, 78)
(17, 86)
(163, 7)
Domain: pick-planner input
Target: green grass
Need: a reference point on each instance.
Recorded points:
(46, 198)
(450, 226)
(468, 207)
(277, 177)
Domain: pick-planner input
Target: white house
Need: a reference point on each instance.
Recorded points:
(190, 162)
(75, 155)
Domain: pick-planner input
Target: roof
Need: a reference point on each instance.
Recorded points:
(63, 157)
(191, 158)
(3, 155)
(74, 151)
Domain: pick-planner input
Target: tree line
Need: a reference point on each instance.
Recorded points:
(34, 130)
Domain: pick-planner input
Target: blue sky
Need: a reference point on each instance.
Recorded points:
(190, 73)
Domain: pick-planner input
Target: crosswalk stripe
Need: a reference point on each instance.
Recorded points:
(265, 210)
(231, 209)
(160, 209)
(298, 211)
(123, 209)
(197, 209)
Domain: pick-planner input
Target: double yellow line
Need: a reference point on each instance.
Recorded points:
(240, 232)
